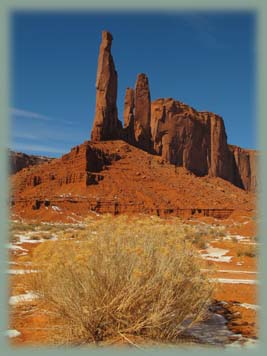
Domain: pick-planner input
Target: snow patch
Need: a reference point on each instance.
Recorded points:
(55, 208)
(21, 271)
(12, 333)
(230, 271)
(216, 254)
(28, 240)
(235, 281)
(27, 297)
(249, 306)
(15, 247)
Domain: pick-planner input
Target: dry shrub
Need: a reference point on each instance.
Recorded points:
(126, 278)
(247, 250)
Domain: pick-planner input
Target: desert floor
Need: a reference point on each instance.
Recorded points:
(230, 247)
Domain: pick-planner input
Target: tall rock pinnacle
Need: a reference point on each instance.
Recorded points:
(142, 129)
(106, 123)
(128, 113)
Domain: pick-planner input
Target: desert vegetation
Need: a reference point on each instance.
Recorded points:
(247, 250)
(122, 278)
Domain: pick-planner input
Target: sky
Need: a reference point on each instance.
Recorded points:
(204, 59)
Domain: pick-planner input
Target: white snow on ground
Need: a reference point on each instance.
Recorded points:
(238, 238)
(216, 254)
(21, 271)
(15, 299)
(235, 271)
(15, 247)
(235, 281)
(247, 343)
(12, 333)
(27, 239)
(230, 271)
(249, 306)
(55, 208)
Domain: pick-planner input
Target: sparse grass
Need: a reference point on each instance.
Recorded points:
(247, 250)
(122, 277)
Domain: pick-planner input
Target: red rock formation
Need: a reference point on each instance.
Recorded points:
(106, 124)
(115, 177)
(128, 113)
(175, 131)
(127, 133)
(198, 142)
(80, 167)
(181, 135)
(244, 168)
(253, 158)
(142, 113)
(19, 160)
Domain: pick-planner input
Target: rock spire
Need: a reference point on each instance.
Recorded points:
(142, 113)
(106, 124)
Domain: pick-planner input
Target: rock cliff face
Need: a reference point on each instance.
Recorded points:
(198, 142)
(19, 160)
(106, 124)
(188, 138)
(180, 136)
(244, 166)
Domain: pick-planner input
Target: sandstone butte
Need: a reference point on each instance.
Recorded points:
(167, 158)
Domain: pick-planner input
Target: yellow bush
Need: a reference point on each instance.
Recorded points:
(127, 277)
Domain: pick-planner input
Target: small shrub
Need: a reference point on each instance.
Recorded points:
(247, 250)
(199, 241)
(131, 278)
(234, 239)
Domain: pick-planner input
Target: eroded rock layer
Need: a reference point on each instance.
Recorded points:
(116, 177)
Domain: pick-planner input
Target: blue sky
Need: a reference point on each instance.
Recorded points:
(204, 59)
